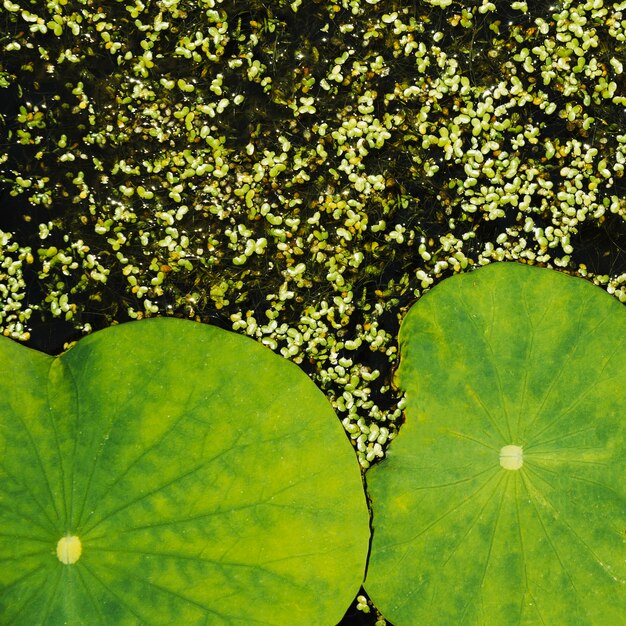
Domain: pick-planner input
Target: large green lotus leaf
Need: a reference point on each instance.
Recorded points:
(502, 500)
(207, 480)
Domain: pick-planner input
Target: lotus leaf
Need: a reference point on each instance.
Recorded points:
(502, 500)
(168, 472)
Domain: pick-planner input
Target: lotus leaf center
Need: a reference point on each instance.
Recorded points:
(69, 549)
(511, 457)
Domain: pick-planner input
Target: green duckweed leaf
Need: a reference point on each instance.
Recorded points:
(167, 472)
(502, 500)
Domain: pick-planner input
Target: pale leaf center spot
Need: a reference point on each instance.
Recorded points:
(69, 549)
(511, 457)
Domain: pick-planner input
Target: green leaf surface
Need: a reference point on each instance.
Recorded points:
(502, 500)
(207, 480)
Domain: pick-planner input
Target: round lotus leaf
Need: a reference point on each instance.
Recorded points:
(167, 472)
(502, 500)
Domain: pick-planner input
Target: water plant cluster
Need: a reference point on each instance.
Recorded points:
(166, 471)
(301, 172)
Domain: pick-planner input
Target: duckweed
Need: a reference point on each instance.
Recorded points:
(302, 172)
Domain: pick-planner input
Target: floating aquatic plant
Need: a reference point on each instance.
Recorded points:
(502, 499)
(166, 471)
(301, 172)
(14, 314)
